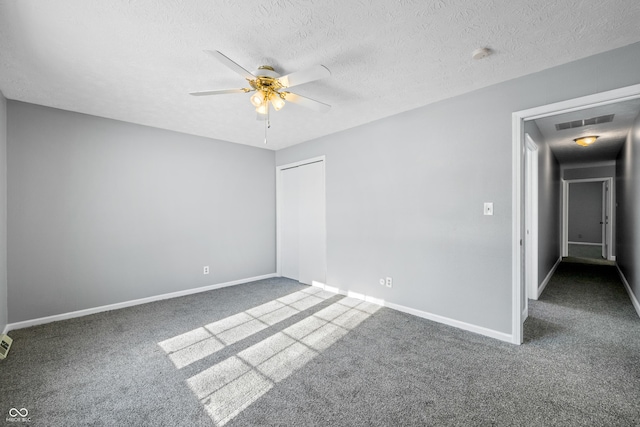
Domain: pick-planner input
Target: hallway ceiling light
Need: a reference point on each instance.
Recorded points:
(585, 141)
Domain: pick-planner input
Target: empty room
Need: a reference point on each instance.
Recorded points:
(319, 213)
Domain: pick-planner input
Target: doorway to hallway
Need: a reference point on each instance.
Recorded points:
(584, 123)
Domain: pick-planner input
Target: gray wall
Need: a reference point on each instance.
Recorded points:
(549, 206)
(589, 172)
(3, 213)
(628, 190)
(405, 194)
(585, 212)
(102, 211)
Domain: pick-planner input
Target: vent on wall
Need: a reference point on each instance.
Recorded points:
(5, 345)
(586, 122)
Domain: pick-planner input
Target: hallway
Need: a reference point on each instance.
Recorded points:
(585, 325)
(587, 302)
(587, 329)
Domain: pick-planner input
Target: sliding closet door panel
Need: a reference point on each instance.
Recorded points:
(311, 221)
(289, 223)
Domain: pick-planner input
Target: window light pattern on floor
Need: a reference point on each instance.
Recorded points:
(199, 343)
(228, 387)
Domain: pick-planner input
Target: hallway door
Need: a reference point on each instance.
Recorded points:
(587, 218)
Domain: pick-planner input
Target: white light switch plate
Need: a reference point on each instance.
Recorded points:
(488, 208)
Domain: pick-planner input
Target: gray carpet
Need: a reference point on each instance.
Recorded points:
(314, 359)
(585, 251)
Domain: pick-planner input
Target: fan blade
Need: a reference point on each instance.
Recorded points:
(304, 76)
(318, 106)
(229, 63)
(219, 92)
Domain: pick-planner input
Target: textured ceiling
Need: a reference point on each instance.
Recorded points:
(137, 60)
(611, 135)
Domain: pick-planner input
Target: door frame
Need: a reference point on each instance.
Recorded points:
(608, 219)
(531, 222)
(279, 170)
(517, 181)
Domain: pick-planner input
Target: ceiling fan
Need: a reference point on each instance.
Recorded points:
(269, 86)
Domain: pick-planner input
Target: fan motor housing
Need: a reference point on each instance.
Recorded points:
(266, 71)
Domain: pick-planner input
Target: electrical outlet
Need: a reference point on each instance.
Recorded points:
(206, 269)
(382, 282)
(389, 282)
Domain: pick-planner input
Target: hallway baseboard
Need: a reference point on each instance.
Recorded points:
(545, 282)
(633, 298)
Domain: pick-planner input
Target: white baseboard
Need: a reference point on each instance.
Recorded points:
(525, 313)
(88, 311)
(585, 243)
(545, 282)
(6, 329)
(634, 300)
(612, 257)
(426, 315)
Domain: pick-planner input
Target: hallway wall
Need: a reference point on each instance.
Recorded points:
(549, 207)
(628, 191)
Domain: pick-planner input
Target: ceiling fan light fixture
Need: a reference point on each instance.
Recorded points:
(264, 108)
(585, 141)
(276, 101)
(258, 98)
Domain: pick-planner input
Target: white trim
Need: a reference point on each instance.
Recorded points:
(452, 322)
(94, 310)
(425, 315)
(600, 179)
(525, 313)
(576, 104)
(607, 209)
(517, 282)
(634, 300)
(612, 258)
(279, 203)
(611, 224)
(546, 280)
(585, 243)
(564, 245)
(301, 163)
(6, 329)
(531, 235)
(517, 119)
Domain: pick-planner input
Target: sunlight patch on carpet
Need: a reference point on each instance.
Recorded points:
(227, 388)
(204, 341)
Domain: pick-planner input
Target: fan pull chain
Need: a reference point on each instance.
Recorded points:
(267, 124)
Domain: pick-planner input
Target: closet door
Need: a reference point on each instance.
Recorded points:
(289, 234)
(311, 222)
(303, 235)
